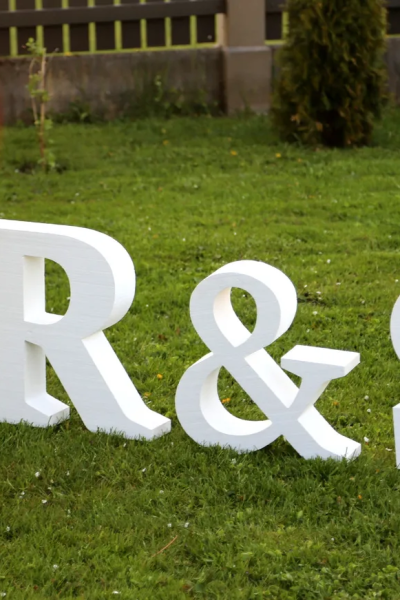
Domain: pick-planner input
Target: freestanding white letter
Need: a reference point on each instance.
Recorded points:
(395, 334)
(102, 281)
(291, 409)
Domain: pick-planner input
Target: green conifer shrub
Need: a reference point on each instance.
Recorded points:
(331, 81)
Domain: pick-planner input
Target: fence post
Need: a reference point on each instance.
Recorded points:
(247, 60)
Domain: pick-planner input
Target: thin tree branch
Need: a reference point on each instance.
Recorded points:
(165, 547)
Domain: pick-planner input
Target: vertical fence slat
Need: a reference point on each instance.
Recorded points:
(131, 30)
(53, 35)
(206, 33)
(105, 32)
(274, 26)
(4, 34)
(394, 21)
(156, 32)
(180, 30)
(78, 34)
(25, 33)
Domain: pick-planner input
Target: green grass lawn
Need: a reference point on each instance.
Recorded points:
(185, 197)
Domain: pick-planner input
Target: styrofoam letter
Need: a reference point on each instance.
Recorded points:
(291, 410)
(395, 334)
(102, 282)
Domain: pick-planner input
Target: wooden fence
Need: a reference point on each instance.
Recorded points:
(101, 25)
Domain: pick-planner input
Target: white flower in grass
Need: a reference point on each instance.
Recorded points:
(389, 449)
(169, 524)
(315, 312)
(44, 501)
(328, 261)
(115, 592)
(368, 410)
(37, 474)
(186, 525)
(366, 397)
(366, 440)
(55, 567)
(161, 491)
(144, 470)
(8, 528)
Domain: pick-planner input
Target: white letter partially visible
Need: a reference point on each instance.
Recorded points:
(395, 334)
(102, 281)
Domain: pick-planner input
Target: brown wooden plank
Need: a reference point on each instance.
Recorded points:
(78, 34)
(103, 14)
(156, 31)
(131, 35)
(25, 33)
(206, 33)
(274, 26)
(394, 21)
(105, 32)
(276, 6)
(180, 30)
(53, 35)
(4, 33)
(4, 42)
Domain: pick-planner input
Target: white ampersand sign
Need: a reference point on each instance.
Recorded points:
(290, 410)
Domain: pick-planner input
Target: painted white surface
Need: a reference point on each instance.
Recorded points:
(395, 334)
(290, 410)
(102, 281)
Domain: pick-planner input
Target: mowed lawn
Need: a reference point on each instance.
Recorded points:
(86, 515)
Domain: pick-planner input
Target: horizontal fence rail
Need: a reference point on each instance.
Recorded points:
(277, 24)
(119, 12)
(99, 25)
(102, 25)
